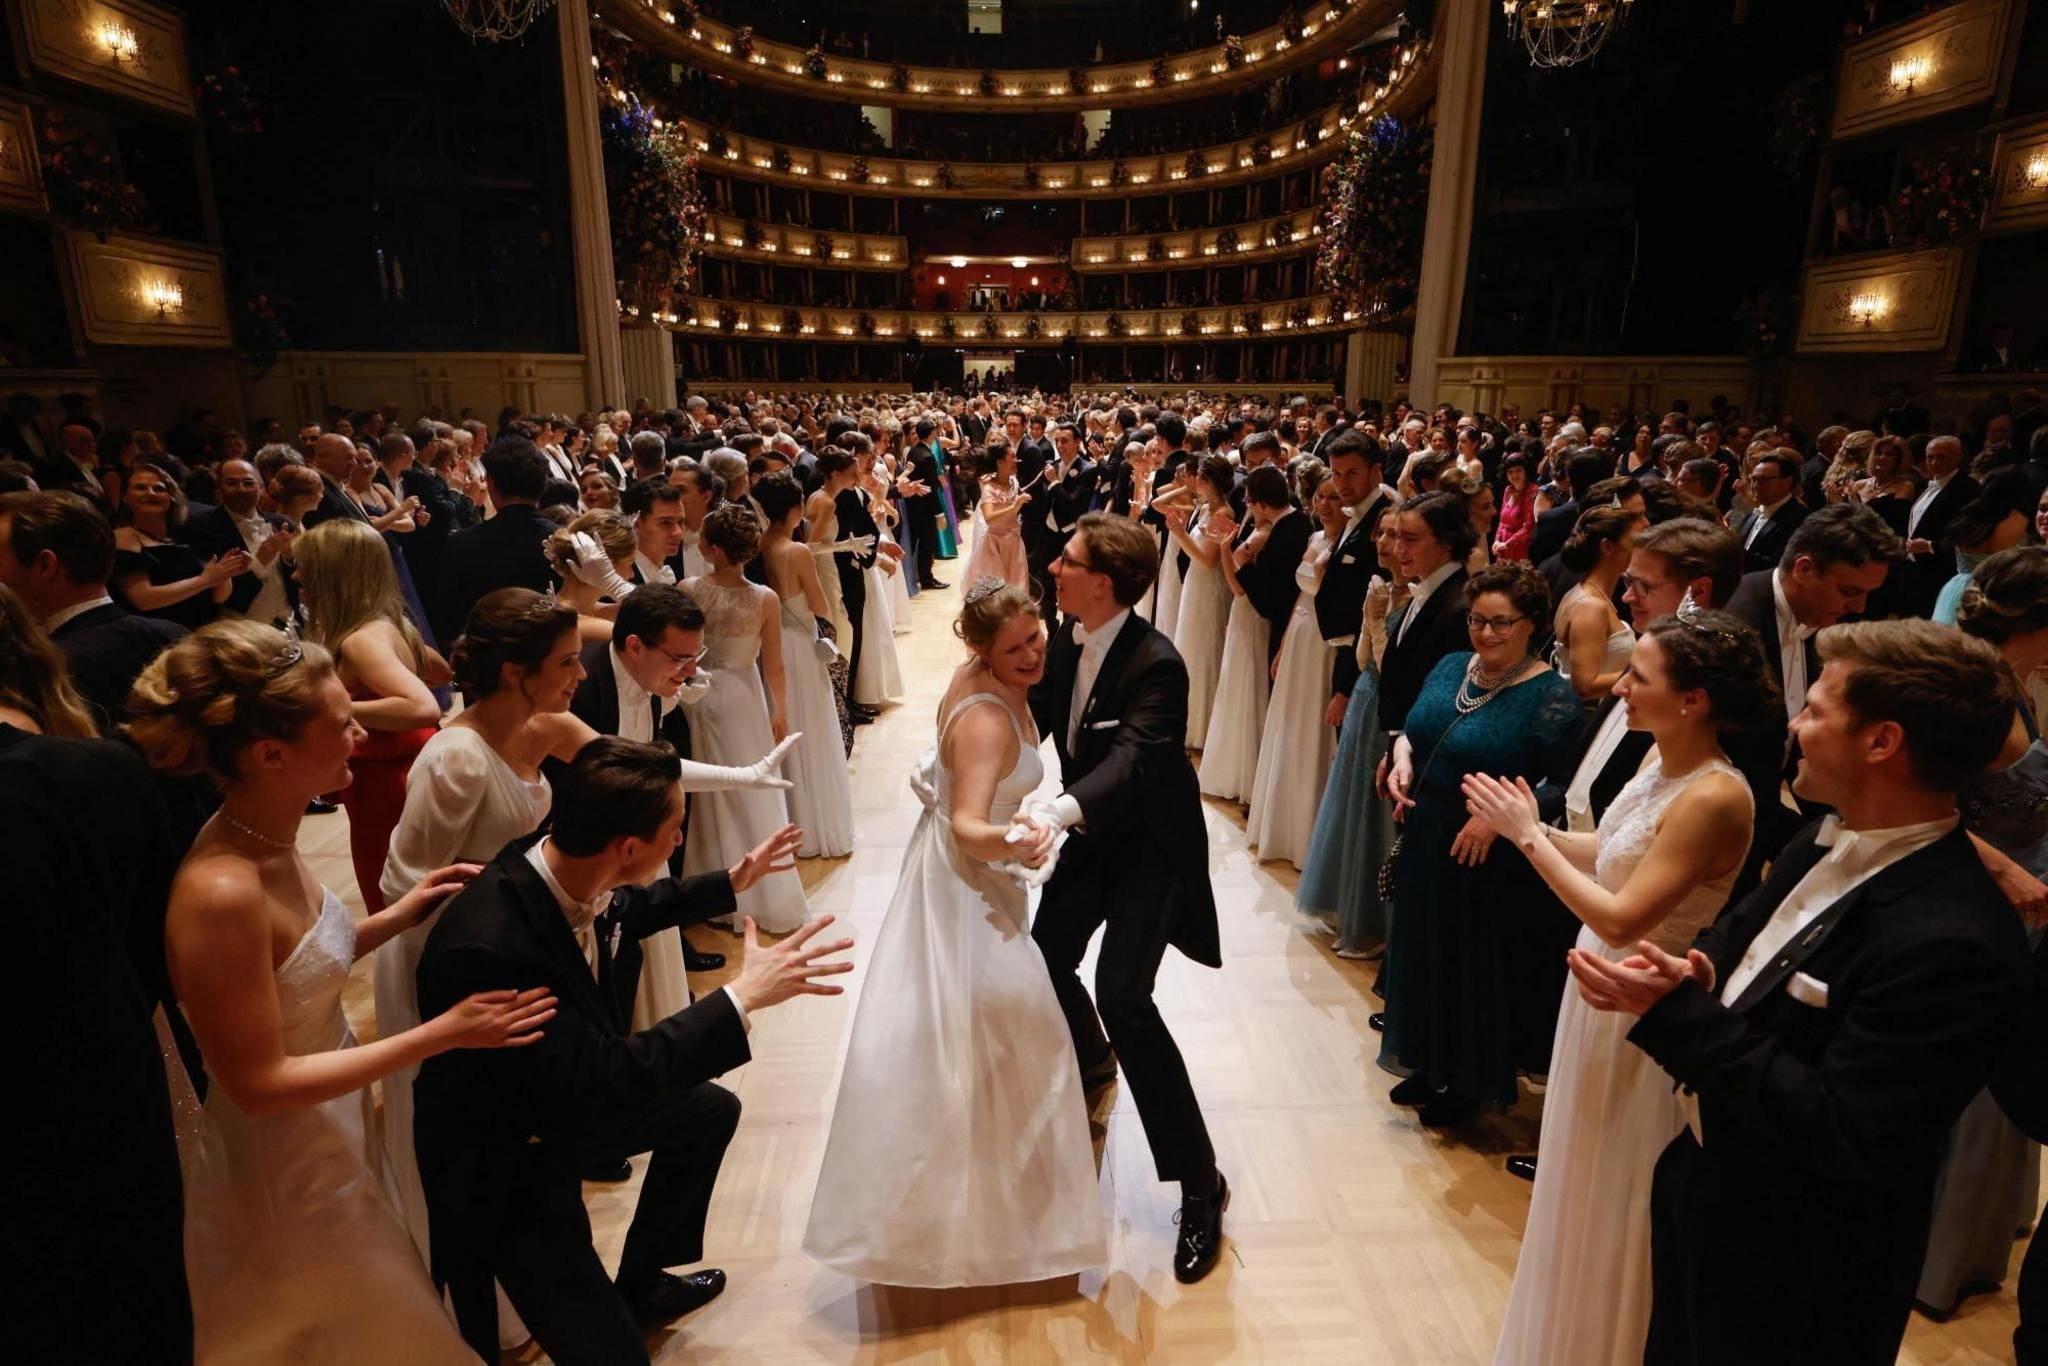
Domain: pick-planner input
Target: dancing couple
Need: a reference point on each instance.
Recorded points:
(960, 1153)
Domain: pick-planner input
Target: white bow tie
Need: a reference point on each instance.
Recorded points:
(1836, 838)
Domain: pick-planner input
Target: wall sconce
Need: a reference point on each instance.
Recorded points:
(1908, 72)
(1868, 310)
(959, 263)
(2035, 172)
(118, 43)
(167, 297)
(1034, 281)
(1018, 263)
(942, 279)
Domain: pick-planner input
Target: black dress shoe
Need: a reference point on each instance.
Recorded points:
(609, 1173)
(1201, 1233)
(669, 1296)
(694, 961)
(932, 583)
(316, 807)
(1414, 1091)
(1447, 1111)
(1378, 1021)
(1523, 1165)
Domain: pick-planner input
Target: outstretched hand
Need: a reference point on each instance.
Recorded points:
(767, 770)
(776, 854)
(772, 973)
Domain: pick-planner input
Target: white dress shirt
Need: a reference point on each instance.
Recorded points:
(1923, 502)
(695, 566)
(62, 615)
(1763, 515)
(1094, 646)
(651, 571)
(1419, 594)
(636, 717)
(1350, 524)
(269, 603)
(1792, 638)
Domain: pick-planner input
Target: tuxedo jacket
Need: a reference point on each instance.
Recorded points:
(1066, 498)
(1551, 530)
(1922, 577)
(478, 1111)
(217, 534)
(1623, 764)
(503, 552)
(1769, 546)
(1143, 836)
(1438, 630)
(334, 503)
(855, 518)
(1269, 579)
(1754, 603)
(1827, 1091)
(924, 467)
(107, 648)
(1340, 597)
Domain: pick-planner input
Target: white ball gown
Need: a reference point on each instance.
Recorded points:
(730, 726)
(1295, 747)
(959, 1152)
(1198, 632)
(820, 796)
(1238, 716)
(1582, 1284)
(293, 1244)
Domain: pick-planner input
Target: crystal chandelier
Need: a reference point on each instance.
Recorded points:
(494, 21)
(1563, 32)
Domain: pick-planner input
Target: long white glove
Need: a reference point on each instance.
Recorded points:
(696, 777)
(595, 568)
(852, 545)
(1028, 876)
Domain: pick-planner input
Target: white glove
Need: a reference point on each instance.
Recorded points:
(695, 689)
(696, 777)
(826, 650)
(852, 545)
(1028, 876)
(595, 568)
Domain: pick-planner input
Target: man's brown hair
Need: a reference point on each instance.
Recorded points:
(1951, 693)
(1124, 551)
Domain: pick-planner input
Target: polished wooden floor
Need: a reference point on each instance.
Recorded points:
(1356, 1236)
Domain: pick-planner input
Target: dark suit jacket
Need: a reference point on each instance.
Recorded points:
(924, 467)
(1754, 603)
(855, 518)
(1066, 499)
(1825, 1124)
(217, 534)
(1340, 598)
(1439, 630)
(1551, 529)
(1922, 577)
(504, 552)
(1621, 765)
(1143, 841)
(1269, 579)
(1769, 546)
(107, 648)
(476, 1109)
(334, 502)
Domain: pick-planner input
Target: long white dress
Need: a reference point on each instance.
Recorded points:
(820, 796)
(959, 1151)
(1582, 1285)
(1166, 593)
(1237, 718)
(730, 726)
(293, 1243)
(1295, 746)
(463, 804)
(1198, 631)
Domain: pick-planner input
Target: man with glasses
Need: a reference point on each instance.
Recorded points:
(1774, 483)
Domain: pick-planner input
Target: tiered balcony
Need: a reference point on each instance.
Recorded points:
(709, 318)
(743, 239)
(1236, 244)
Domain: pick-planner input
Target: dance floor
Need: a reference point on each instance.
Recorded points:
(1356, 1236)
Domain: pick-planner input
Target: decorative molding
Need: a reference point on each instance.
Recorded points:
(2019, 179)
(138, 291)
(1329, 29)
(1948, 59)
(1882, 301)
(1639, 383)
(309, 382)
(130, 48)
(21, 174)
(780, 244)
(1205, 247)
(777, 322)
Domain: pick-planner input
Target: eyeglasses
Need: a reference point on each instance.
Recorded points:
(680, 661)
(1081, 565)
(1498, 625)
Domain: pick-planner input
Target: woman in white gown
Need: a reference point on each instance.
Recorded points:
(1204, 596)
(880, 678)
(1295, 747)
(1237, 719)
(742, 713)
(959, 1152)
(1593, 642)
(1171, 504)
(293, 1243)
(1658, 869)
(820, 798)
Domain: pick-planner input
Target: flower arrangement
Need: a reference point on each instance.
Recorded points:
(743, 43)
(865, 325)
(657, 212)
(987, 84)
(1277, 235)
(1077, 80)
(1262, 149)
(1298, 315)
(945, 175)
(814, 62)
(751, 235)
(1119, 174)
(1767, 319)
(717, 144)
(1939, 202)
(948, 328)
(780, 159)
(728, 317)
(1030, 177)
(858, 172)
(686, 14)
(899, 78)
(1161, 72)
(1233, 51)
(260, 332)
(1155, 250)
(83, 181)
(821, 246)
(988, 325)
(1248, 321)
(1374, 198)
(229, 103)
(1193, 166)
(1290, 25)
(1116, 324)
(1796, 122)
(1191, 324)
(1032, 327)
(1226, 240)
(792, 321)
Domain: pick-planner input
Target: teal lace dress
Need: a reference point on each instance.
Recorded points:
(1474, 970)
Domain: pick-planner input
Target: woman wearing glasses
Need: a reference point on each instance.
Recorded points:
(1658, 868)
(1475, 953)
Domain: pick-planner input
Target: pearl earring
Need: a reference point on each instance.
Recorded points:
(1685, 711)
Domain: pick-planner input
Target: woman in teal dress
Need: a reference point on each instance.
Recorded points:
(1474, 969)
(1355, 825)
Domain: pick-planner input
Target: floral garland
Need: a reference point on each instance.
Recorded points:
(858, 172)
(1299, 314)
(657, 212)
(780, 159)
(988, 324)
(1155, 250)
(865, 325)
(1032, 327)
(1119, 174)
(260, 331)
(821, 246)
(1233, 51)
(1248, 321)
(728, 318)
(1939, 202)
(814, 62)
(229, 103)
(83, 182)
(743, 43)
(1290, 25)
(792, 321)
(1226, 240)
(1796, 119)
(1374, 201)
(1161, 72)
(948, 328)
(1190, 324)
(1116, 324)
(945, 176)
(987, 83)
(899, 78)
(1077, 80)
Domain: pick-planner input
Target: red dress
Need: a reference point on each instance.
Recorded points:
(375, 798)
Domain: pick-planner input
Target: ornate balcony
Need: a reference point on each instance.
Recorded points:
(744, 239)
(1327, 29)
(1947, 59)
(1232, 322)
(1236, 244)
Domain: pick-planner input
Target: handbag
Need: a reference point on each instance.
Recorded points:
(1383, 882)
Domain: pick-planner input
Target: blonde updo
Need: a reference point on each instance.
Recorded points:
(207, 698)
(611, 530)
(987, 610)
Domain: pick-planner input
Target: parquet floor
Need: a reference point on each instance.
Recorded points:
(1356, 1235)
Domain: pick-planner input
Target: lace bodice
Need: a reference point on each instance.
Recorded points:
(732, 622)
(310, 980)
(1626, 833)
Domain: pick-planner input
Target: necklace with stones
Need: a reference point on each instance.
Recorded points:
(1490, 685)
(257, 835)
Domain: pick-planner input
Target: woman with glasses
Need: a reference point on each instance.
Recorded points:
(1475, 954)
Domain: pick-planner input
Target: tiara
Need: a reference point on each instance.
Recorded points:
(985, 586)
(545, 603)
(1692, 616)
(294, 649)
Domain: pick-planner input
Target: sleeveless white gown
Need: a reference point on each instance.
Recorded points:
(1230, 758)
(730, 726)
(1582, 1284)
(1295, 747)
(1621, 643)
(293, 1243)
(820, 797)
(959, 1152)
(1198, 632)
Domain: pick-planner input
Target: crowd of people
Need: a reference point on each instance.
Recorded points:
(1687, 765)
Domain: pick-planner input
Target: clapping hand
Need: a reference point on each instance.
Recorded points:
(436, 887)
(1636, 983)
(1505, 810)
(1221, 528)
(772, 973)
(776, 854)
(221, 568)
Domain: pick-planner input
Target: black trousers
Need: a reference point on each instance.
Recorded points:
(1122, 1016)
(2030, 1339)
(925, 535)
(853, 591)
(545, 1260)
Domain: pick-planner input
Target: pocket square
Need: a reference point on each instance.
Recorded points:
(1808, 991)
(1350, 559)
(1110, 724)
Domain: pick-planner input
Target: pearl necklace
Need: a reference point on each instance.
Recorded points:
(257, 835)
(1490, 685)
